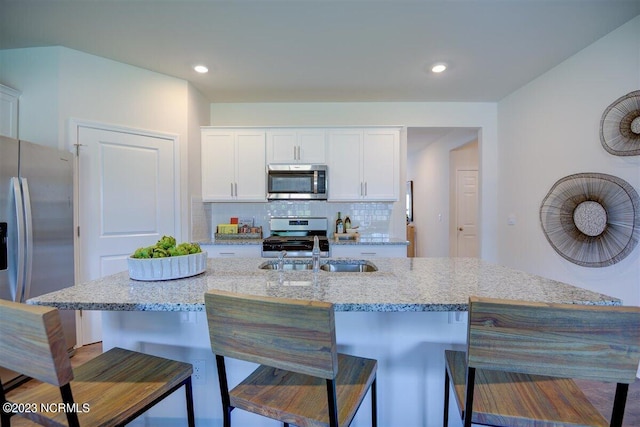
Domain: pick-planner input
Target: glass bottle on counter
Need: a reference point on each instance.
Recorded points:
(315, 255)
(347, 223)
(339, 225)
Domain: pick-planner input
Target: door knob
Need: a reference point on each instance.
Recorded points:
(460, 228)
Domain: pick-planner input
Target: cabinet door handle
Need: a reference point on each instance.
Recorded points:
(231, 183)
(365, 189)
(236, 188)
(361, 189)
(295, 153)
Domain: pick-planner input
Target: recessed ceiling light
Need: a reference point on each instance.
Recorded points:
(438, 68)
(201, 69)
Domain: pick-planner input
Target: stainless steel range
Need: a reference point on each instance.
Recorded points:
(295, 235)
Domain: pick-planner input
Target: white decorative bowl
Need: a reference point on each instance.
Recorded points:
(175, 267)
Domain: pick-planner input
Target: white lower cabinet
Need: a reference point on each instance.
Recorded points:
(369, 251)
(230, 251)
(337, 251)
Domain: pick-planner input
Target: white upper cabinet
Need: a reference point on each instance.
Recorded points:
(344, 165)
(301, 145)
(381, 164)
(9, 111)
(233, 165)
(364, 164)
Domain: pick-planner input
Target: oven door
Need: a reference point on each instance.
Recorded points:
(297, 182)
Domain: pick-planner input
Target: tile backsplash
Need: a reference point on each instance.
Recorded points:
(373, 219)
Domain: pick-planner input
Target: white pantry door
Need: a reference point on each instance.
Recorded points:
(126, 199)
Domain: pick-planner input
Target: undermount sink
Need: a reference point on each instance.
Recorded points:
(336, 266)
(287, 266)
(349, 267)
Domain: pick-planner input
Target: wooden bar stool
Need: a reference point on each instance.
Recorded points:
(301, 380)
(110, 390)
(521, 358)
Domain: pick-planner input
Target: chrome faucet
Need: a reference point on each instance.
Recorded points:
(315, 255)
(281, 256)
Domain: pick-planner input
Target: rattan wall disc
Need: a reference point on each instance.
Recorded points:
(620, 126)
(591, 219)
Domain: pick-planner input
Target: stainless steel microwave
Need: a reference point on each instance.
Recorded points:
(297, 182)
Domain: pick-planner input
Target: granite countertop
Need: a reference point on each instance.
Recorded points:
(400, 284)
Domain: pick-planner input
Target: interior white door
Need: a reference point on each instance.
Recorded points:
(126, 199)
(467, 213)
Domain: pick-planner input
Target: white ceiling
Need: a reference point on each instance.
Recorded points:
(325, 50)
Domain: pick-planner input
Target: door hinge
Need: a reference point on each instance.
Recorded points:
(78, 148)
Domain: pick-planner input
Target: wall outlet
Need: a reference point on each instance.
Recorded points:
(199, 375)
(188, 317)
(457, 317)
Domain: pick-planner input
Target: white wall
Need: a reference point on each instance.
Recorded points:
(59, 84)
(35, 73)
(196, 217)
(411, 114)
(549, 129)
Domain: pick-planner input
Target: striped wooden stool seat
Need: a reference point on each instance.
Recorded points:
(301, 380)
(110, 390)
(522, 357)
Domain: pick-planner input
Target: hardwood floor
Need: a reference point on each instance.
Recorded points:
(601, 396)
(86, 353)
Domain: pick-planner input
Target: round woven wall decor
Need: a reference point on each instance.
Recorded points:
(620, 126)
(591, 219)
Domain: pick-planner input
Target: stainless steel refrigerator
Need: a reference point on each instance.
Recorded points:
(36, 227)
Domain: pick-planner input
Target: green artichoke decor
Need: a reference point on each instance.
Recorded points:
(166, 247)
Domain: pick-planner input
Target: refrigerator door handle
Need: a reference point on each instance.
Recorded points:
(17, 196)
(28, 221)
(4, 243)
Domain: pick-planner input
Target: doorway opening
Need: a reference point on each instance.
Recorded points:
(436, 159)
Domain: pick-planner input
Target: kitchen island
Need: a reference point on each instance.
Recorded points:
(404, 315)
